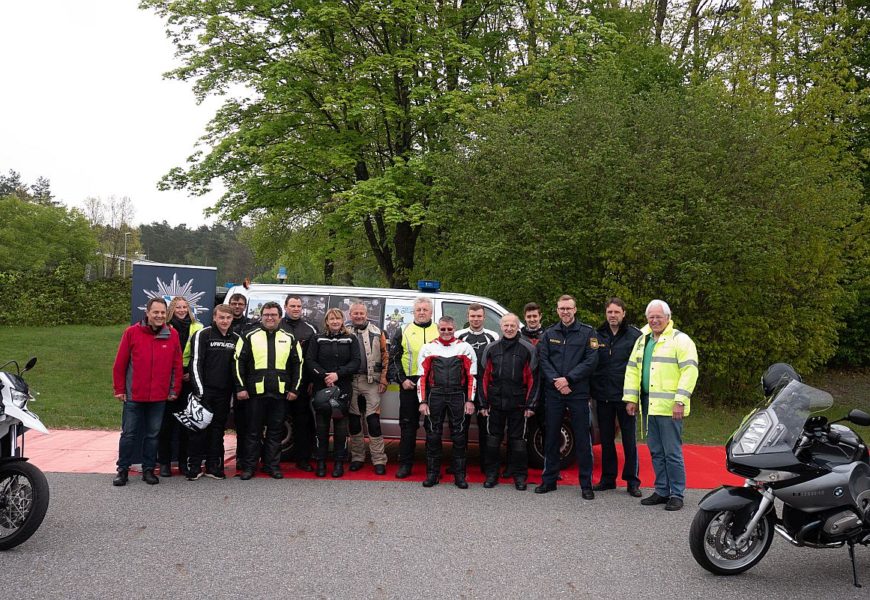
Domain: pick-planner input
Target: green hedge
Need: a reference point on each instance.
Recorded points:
(62, 296)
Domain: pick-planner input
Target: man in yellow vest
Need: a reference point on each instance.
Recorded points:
(268, 372)
(404, 370)
(659, 381)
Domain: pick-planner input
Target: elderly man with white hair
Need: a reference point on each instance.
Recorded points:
(659, 381)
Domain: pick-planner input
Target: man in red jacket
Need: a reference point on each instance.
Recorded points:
(146, 374)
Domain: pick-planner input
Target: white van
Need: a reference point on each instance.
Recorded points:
(391, 309)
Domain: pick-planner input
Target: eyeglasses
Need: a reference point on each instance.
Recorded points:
(270, 316)
(445, 329)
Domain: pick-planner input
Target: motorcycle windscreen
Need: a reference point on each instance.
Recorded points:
(777, 426)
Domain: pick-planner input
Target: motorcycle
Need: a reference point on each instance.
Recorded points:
(818, 470)
(23, 487)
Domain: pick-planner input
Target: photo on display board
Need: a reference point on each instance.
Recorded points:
(397, 314)
(375, 307)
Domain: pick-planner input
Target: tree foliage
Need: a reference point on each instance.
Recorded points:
(718, 209)
(36, 236)
(215, 246)
(344, 101)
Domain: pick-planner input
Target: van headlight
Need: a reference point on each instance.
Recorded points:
(20, 399)
(753, 434)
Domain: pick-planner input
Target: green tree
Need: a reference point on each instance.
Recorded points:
(344, 102)
(37, 237)
(676, 194)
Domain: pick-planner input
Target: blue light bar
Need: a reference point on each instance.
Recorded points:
(428, 285)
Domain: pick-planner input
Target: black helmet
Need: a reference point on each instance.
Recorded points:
(328, 401)
(777, 375)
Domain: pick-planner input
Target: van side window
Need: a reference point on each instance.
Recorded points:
(375, 308)
(459, 311)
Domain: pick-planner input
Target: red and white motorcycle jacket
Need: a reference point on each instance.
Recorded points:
(447, 368)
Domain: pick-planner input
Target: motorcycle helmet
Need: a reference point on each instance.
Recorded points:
(328, 401)
(196, 416)
(777, 375)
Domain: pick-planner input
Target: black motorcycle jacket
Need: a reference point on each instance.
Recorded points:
(332, 353)
(510, 375)
(613, 354)
(212, 360)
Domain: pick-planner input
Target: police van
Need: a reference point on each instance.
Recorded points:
(391, 310)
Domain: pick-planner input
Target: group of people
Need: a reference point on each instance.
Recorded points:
(334, 378)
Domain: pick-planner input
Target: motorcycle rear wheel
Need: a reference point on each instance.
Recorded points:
(713, 542)
(23, 502)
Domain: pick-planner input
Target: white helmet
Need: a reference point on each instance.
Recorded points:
(195, 417)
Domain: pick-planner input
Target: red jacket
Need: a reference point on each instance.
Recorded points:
(148, 365)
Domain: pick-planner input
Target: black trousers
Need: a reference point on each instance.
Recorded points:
(299, 412)
(208, 445)
(339, 437)
(172, 431)
(269, 412)
(409, 423)
(610, 413)
(441, 406)
(516, 423)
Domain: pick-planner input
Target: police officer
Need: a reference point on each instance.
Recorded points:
(268, 374)
(568, 355)
(404, 350)
(615, 340)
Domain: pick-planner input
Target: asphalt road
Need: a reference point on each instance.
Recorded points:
(342, 539)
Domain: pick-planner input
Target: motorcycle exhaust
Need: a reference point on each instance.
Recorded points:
(783, 532)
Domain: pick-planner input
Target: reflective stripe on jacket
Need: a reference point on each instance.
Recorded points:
(405, 348)
(673, 372)
(268, 363)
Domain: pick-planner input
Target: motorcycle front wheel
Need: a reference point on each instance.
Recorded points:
(23, 502)
(713, 542)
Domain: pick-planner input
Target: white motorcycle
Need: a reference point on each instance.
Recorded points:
(23, 487)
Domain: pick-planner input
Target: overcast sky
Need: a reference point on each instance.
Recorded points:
(83, 103)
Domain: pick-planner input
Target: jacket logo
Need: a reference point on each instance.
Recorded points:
(552, 341)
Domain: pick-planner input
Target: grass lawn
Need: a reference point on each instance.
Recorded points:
(74, 381)
(73, 375)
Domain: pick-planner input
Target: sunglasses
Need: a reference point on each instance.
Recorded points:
(445, 329)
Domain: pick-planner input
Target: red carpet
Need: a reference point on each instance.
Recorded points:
(84, 451)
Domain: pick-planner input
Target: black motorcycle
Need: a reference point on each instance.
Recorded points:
(818, 470)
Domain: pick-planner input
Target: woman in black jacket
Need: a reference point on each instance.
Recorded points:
(331, 360)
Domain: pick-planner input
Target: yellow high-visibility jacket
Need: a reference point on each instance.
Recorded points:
(673, 372)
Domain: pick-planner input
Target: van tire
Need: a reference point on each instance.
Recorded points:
(536, 445)
(287, 445)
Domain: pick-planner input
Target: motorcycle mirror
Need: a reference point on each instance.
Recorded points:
(859, 417)
(32, 363)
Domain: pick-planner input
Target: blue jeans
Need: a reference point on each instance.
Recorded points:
(665, 442)
(553, 410)
(140, 420)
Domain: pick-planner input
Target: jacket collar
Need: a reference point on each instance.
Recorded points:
(667, 333)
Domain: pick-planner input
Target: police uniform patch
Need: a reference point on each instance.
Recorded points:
(593, 343)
